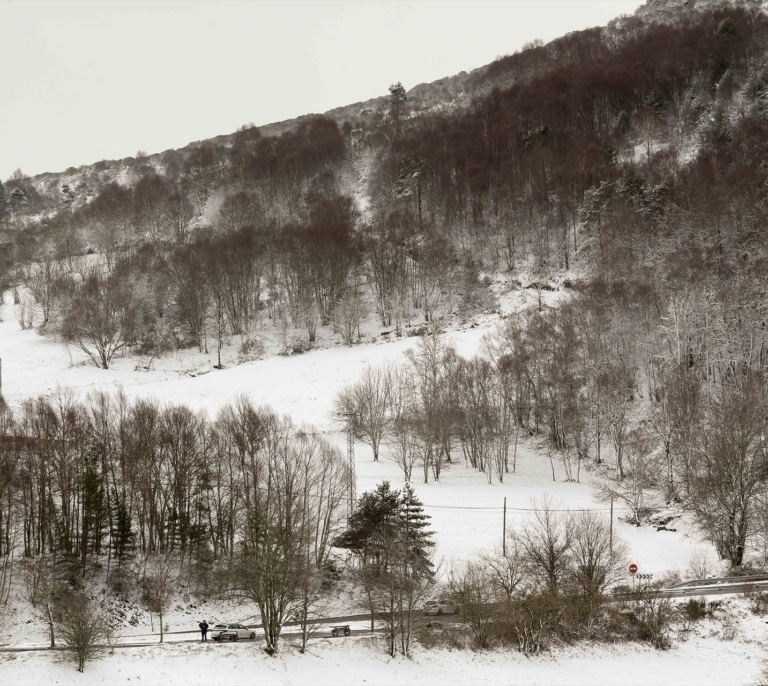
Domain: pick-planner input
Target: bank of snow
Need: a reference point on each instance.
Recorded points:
(337, 662)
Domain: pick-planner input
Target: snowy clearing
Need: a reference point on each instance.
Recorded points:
(466, 514)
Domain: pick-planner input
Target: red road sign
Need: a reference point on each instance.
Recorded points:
(633, 568)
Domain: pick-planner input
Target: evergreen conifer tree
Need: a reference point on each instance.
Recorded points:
(413, 528)
(389, 533)
(375, 517)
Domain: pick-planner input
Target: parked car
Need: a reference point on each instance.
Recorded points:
(231, 632)
(439, 607)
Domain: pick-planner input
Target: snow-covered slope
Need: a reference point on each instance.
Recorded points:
(466, 511)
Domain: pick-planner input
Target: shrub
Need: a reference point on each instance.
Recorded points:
(730, 624)
(695, 609)
(535, 620)
(758, 602)
(437, 635)
(296, 346)
(655, 614)
(250, 350)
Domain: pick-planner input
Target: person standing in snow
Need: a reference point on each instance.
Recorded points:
(203, 630)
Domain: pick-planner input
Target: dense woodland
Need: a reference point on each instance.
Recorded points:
(626, 166)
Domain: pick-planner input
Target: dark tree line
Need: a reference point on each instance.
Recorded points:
(517, 166)
(224, 285)
(111, 481)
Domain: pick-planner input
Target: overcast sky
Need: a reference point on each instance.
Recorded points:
(85, 81)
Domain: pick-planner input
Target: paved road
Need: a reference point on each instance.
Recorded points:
(322, 630)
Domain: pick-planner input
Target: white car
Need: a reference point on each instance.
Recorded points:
(436, 607)
(232, 632)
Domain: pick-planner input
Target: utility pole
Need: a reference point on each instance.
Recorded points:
(610, 535)
(504, 530)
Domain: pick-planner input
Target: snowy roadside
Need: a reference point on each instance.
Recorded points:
(699, 661)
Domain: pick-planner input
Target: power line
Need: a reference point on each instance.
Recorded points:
(526, 509)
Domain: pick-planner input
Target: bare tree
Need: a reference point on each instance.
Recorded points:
(24, 306)
(296, 481)
(546, 544)
(365, 406)
(387, 259)
(432, 271)
(11, 520)
(216, 270)
(432, 365)
(404, 444)
(732, 467)
(636, 489)
(188, 271)
(655, 613)
(180, 213)
(676, 420)
(41, 277)
(597, 560)
(506, 568)
(476, 423)
(487, 590)
(273, 560)
(43, 590)
(347, 315)
(150, 206)
(616, 384)
(109, 219)
(473, 588)
(312, 605)
(82, 626)
(159, 586)
(699, 564)
(101, 319)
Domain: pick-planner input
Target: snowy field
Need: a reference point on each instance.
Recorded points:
(701, 662)
(467, 516)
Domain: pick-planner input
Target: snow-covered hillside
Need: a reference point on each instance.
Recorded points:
(466, 512)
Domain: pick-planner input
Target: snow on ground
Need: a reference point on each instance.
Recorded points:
(698, 661)
(466, 511)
